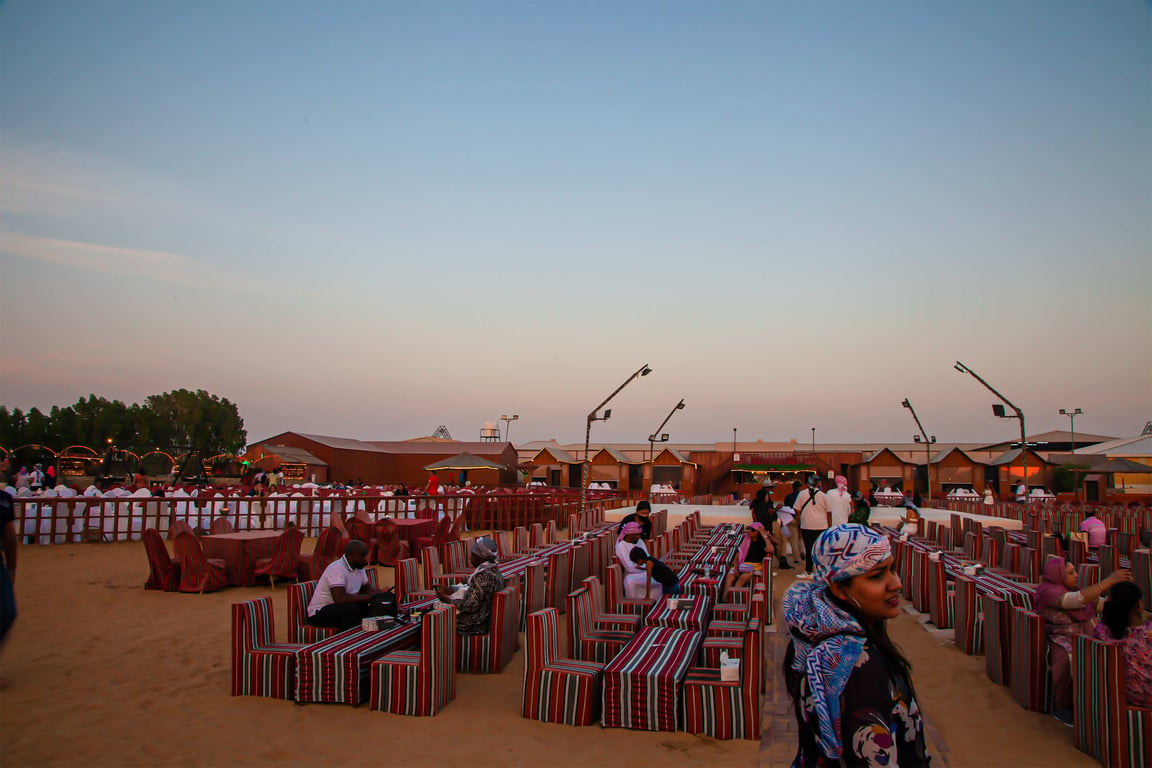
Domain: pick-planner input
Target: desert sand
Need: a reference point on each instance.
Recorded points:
(104, 673)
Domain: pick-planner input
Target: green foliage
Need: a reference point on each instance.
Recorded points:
(175, 421)
(1067, 477)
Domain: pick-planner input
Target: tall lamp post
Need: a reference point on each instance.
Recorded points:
(508, 423)
(659, 436)
(813, 442)
(1072, 414)
(584, 469)
(927, 446)
(999, 411)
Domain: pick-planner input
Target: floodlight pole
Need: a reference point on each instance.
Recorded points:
(659, 429)
(584, 468)
(927, 448)
(1019, 415)
(1072, 413)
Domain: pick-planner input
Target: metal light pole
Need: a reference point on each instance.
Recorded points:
(813, 443)
(508, 423)
(584, 468)
(927, 447)
(999, 411)
(657, 435)
(1072, 414)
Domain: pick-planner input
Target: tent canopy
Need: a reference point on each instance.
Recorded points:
(465, 462)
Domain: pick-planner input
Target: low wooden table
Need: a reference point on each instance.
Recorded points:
(642, 684)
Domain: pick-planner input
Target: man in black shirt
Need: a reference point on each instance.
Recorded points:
(643, 516)
(790, 499)
(657, 571)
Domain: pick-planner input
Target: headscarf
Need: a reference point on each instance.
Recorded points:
(842, 484)
(484, 549)
(629, 528)
(1051, 590)
(827, 639)
(746, 542)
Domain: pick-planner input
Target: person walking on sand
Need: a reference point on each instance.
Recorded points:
(815, 518)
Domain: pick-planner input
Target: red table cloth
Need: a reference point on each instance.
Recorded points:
(240, 551)
(337, 670)
(642, 684)
(412, 528)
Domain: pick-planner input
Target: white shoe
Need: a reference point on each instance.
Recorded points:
(804, 576)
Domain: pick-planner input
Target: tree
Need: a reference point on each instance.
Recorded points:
(176, 421)
(198, 421)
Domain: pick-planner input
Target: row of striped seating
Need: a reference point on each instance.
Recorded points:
(417, 682)
(1002, 626)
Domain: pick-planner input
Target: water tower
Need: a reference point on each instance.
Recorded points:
(490, 432)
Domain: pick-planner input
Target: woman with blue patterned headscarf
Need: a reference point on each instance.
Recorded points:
(851, 687)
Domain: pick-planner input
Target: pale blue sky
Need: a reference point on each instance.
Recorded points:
(369, 219)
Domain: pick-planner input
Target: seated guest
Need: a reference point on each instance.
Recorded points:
(861, 510)
(1067, 611)
(657, 572)
(1095, 528)
(474, 609)
(1122, 621)
(636, 581)
(642, 516)
(754, 548)
(343, 596)
(910, 522)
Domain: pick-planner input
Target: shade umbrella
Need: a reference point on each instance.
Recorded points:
(463, 462)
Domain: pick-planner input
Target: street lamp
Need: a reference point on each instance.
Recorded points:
(644, 371)
(508, 423)
(1072, 414)
(813, 442)
(998, 410)
(663, 437)
(927, 446)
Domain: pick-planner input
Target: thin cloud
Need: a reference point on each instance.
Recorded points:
(112, 260)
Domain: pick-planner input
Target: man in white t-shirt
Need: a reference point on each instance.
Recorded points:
(815, 518)
(343, 596)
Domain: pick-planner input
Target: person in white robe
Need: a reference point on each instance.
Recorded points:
(635, 579)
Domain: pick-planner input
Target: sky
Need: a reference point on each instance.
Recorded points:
(370, 219)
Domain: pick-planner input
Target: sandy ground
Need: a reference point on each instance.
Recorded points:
(104, 673)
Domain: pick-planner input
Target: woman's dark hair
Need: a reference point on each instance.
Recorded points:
(875, 633)
(1122, 598)
(762, 494)
(643, 505)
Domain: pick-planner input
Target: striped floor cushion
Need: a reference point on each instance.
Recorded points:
(995, 659)
(969, 620)
(1031, 682)
(1106, 727)
(419, 683)
(260, 665)
(557, 690)
(726, 710)
(491, 652)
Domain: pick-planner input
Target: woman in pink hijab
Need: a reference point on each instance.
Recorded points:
(755, 548)
(1067, 611)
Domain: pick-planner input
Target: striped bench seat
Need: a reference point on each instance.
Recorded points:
(557, 690)
(260, 665)
(419, 683)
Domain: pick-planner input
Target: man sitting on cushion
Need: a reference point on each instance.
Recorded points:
(474, 609)
(343, 596)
